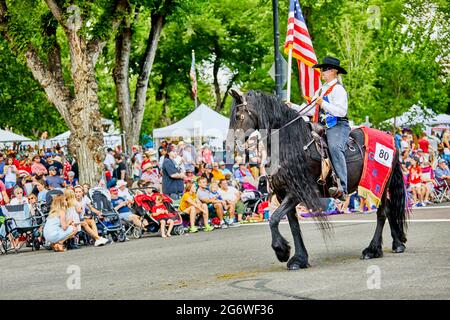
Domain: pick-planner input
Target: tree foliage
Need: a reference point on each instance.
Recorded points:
(396, 53)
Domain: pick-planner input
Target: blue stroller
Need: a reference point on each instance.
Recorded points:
(109, 226)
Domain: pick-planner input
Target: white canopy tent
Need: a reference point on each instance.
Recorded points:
(8, 136)
(110, 139)
(417, 115)
(202, 122)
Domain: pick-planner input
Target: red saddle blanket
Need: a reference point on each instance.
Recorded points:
(378, 160)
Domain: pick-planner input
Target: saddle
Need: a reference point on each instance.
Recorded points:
(353, 152)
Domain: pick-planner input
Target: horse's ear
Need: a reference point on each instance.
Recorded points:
(236, 94)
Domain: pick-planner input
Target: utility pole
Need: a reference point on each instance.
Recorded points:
(276, 43)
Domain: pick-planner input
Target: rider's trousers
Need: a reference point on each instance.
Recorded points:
(337, 138)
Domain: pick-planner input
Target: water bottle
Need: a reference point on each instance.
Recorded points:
(356, 204)
(266, 213)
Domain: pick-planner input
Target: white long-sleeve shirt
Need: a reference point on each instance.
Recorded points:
(338, 101)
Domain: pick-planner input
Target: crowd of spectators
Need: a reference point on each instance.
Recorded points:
(206, 190)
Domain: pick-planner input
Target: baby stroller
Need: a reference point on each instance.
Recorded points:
(109, 225)
(19, 223)
(253, 198)
(143, 207)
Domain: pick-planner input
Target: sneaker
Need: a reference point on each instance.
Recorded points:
(230, 222)
(101, 242)
(223, 225)
(208, 228)
(418, 205)
(193, 229)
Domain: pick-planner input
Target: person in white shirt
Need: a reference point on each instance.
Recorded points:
(110, 162)
(123, 190)
(330, 109)
(231, 196)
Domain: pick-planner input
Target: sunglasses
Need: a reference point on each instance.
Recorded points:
(326, 69)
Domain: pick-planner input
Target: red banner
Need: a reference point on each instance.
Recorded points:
(378, 160)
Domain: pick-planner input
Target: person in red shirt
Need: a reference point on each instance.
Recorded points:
(415, 182)
(424, 143)
(160, 213)
(4, 198)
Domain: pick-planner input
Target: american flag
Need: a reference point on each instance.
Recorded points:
(193, 75)
(298, 39)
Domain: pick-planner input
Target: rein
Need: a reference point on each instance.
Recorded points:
(301, 112)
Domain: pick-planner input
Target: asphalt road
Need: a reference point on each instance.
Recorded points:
(238, 263)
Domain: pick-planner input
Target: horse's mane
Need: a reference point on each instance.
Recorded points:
(293, 172)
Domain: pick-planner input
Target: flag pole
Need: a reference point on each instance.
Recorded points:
(289, 67)
(195, 71)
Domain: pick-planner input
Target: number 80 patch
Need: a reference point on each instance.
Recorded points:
(383, 155)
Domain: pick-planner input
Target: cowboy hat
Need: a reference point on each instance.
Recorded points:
(151, 151)
(331, 62)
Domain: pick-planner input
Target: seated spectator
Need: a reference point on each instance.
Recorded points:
(10, 172)
(123, 208)
(233, 203)
(191, 205)
(4, 198)
(54, 181)
(223, 168)
(442, 172)
(41, 190)
(214, 204)
(428, 180)
(87, 222)
(18, 197)
(217, 174)
(415, 182)
(208, 175)
(73, 212)
(200, 169)
(189, 176)
(161, 214)
(57, 229)
(245, 178)
(149, 175)
(124, 192)
(71, 181)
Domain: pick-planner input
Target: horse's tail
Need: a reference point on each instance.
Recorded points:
(399, 208)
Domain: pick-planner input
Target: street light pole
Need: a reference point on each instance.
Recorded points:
(276, 43)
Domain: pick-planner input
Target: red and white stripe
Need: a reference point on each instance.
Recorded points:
(299, 40)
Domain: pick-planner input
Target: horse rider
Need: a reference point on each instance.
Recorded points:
(330, 109)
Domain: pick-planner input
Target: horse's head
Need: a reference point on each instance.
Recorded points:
(243, 115)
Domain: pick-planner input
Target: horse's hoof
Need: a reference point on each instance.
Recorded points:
(370, 253)
(296, 263)
(282, 251)
(399, 249)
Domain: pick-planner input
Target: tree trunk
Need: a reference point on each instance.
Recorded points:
(216, 67)
(132, 114)
(121, 78)
(79, 110)
(86, 140)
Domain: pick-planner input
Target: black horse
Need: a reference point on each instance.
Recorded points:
(295, 179)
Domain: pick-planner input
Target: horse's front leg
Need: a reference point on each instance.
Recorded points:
(300, 259)
(280, 244)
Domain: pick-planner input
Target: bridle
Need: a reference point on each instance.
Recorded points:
(241, 117)
(243, 105)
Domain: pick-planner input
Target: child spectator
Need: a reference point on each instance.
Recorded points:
(161, 214)
(415, 182)
(10, 172)
(18, 197)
